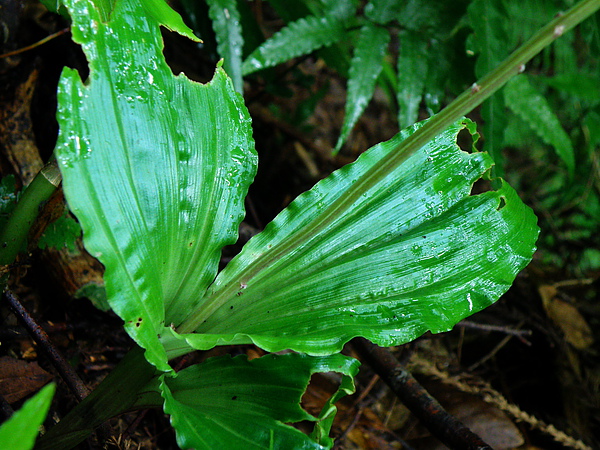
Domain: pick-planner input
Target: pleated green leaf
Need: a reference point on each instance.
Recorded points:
(298, 38)
(365, 67)
(414, 252)
(21, 430)
(155, 168)
(230, 42)
(233, 403)
(530, 105)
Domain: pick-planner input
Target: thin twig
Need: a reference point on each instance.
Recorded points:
(491, 354)
(41, 338)
(126, 435)
(366, 391)
(499, 328)
(432, 415)
(36, 44)
(359, 404)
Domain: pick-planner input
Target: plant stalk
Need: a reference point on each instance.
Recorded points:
(132, 385)
(459, 107)
(38, 192)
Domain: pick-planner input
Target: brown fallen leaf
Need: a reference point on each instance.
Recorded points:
(567, 317)
(484, 419)
(20, 378)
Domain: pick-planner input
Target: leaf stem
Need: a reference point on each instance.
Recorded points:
(132, 385)
(458, 108)
(26, 211)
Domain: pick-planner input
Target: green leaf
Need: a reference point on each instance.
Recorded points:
(292, 11)
(337, 56)
(431, 17)
(585, 86)
(366, 66)
(340, 9)
(531, 106)
(592, 124)
(296, 39)
(235, 403)
(494, 115)
(132, 385)
(252, 32)
(383, 11)
(8, 197)
(431, 32)
(414, 252)
(228, 31)
(95, 293)
(105, 8)
(160, 12)
(531, 15)
(487, 19)
(412, 73)
(20, 431)
(155, 168)
(63, 232)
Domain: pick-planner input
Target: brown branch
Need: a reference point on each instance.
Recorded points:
(41, 338)
(432, 415)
